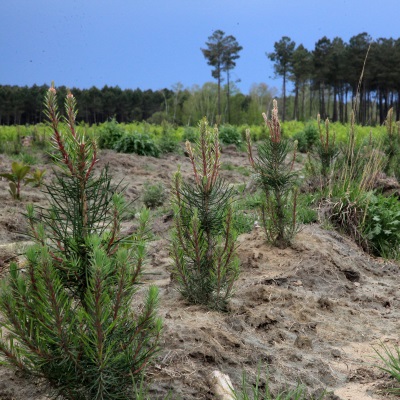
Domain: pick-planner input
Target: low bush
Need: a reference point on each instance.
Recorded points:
(229, 134)
(381, 225)
(154, 195)
(109, 134)
(190, 134)
(138, 143)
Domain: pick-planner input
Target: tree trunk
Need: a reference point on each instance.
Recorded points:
(228, 97)
(296, 102)
(284, 96)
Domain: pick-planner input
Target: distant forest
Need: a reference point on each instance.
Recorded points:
(325, 80)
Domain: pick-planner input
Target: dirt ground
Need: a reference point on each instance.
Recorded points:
(311, 313)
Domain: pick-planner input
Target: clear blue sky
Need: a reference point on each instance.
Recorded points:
(153, 44)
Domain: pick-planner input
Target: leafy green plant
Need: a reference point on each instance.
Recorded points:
(139, 143)
(37, 177)
(168, 142)
(203, 239)
(69, 318)
(154, 195)
(277, 180)
(307, 138)
(381, 225)
(16, 178)
(190, 134)
(302, 145)
(109, 134)
(229, 134)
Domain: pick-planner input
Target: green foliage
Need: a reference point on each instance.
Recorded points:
(301, 139)
(261, 391)
(392, 146)
(16, 178)
(203, 239)
(154, 195)
(277, 180)
(326, 150)
(37, 177)
(391, 363)
(109, 134)
(139, 143)
(306, 138)
(306, 212)
(69, 318)
(229, 134)
(190, 134)
(169, 140)
(27, 158)
(381, 225)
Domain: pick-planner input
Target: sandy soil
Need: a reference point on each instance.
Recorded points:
(311, 313)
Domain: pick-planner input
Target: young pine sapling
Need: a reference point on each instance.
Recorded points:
(276, 178)
(203, 240)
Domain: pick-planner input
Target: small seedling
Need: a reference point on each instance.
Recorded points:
(36, 177)
(16, 178)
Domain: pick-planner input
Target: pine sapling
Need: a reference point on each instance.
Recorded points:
(276, 178)
(203, 240)
(327, 150)
(69, 317)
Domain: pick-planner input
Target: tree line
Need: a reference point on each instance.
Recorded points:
(324, 80)
(363, 74)
(180, 106)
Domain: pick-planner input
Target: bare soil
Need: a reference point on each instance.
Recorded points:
(312, 313)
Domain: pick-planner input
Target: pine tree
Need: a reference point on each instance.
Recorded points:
(203, 240)
(276, 178)
(69, 318)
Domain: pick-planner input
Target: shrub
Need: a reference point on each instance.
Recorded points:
(169, 141)
(139, 143)
(203, 239)
(190, 134)
(154, 195)
(348, 192)
(69, 318)
(306, 139)
(109, 134)
(301, 139)
(277, 180)
(229, 134)
(311, 135)
(381, 225)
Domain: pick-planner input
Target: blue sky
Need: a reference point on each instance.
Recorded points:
(153, 44)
